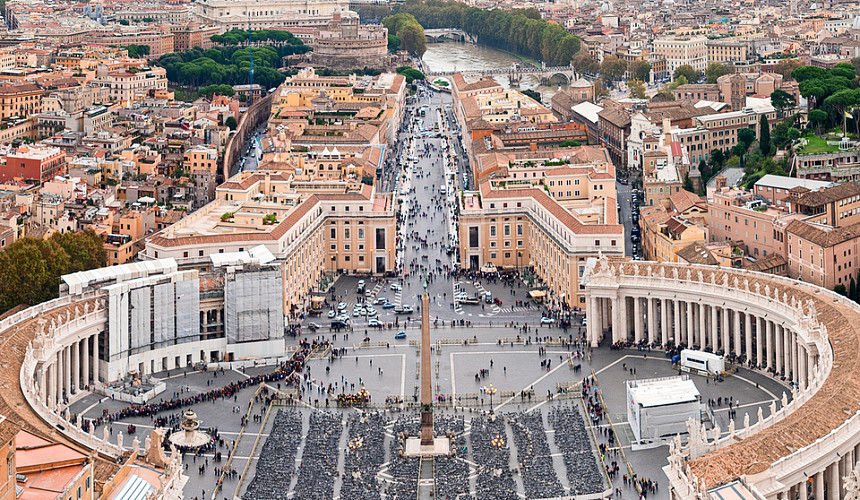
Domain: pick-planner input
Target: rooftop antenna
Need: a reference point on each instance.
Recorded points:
(250, 73)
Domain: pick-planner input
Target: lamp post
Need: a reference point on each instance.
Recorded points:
(491, 390)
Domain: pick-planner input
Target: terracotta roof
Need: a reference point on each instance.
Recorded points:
(766, 263)
(823, 237)
(684, 200)
(828, 194)
(696, 253)
(614, 116)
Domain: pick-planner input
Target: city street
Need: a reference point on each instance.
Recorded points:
(624, 194)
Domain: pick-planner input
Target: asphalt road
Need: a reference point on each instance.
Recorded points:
(624, 193)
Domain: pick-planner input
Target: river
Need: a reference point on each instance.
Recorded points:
(457, 56)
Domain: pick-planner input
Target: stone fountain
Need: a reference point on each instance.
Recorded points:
(190, 436)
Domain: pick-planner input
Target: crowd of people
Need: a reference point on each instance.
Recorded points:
(277, 464)
(571, 437)
(364, 454)
(533, 455)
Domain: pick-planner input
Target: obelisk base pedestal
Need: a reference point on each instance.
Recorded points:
(414, 448)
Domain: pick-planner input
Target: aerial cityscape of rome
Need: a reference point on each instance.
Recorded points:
(430, 250)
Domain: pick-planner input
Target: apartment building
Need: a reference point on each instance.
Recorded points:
(20, 100)
(665, 234)
(159, 42)
(35, 164)
(679, 51)
(129, 84)
(190, 35)
(823, 255)
(518, 226)
(836, 206)
(740, 217)
(722, 51)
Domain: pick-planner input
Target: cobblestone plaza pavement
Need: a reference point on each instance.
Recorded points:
(390, 371)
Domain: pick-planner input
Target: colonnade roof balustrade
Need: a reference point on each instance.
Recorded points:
(835, 402)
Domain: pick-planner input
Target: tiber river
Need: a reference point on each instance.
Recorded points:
(456, 56)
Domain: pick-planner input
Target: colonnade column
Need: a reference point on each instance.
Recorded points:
(726, 331)
(67, 370)
(802, 489)
(76, 365)
(702, 333)
(95, 358)
(676, 321)
(777, 336)
(652, 320)
(801, 366)
(637, 319)
(737, 333)
(57, 378)
(748, 336)
(769, 346)
(85, 361)
(819, 485)
(715, 337)
(789, 353)
(664, 321)
(833, 482)
(690, 337)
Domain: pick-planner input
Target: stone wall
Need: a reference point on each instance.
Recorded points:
(253, 117)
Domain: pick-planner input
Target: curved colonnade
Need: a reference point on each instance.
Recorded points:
(52, 347)
(809, 447)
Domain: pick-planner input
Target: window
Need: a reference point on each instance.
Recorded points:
(492, 230)
(361, 233)
(492, 255)
(597, 243)
(346, 233)
(380, 238)
(333, 233)
(507, 230)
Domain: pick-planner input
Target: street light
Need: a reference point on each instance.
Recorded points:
(491, 390)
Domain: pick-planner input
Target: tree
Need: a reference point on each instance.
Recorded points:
(746, 136)
(612, 68)
(412, 39)
(840, 289)
(717, 158)
(533, 94)
(231, 123)
(637, 89)
(781, 101)
(411, 74)
(393, 44)
(124, 22)
(85, 249)
(764, 136)
(785, 66)
(804, 73)
(583, 63)
(843, 100)
(687, 72)
(639, 70)
(716, 70)
(570, 143)
(817, 118)
(688, 184)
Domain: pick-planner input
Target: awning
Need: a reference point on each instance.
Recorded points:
(317, 300)
(537, 294)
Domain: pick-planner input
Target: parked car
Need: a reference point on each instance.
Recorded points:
(370, 311)
(341, 306)
(403, 310)
(400, 335)
(547, 321)
(331, 314)
(380, 301)
(396, 287)
(314, 326)
(374, 323)
(389, 305)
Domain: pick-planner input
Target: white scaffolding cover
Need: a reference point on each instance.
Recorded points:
(253, 307)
